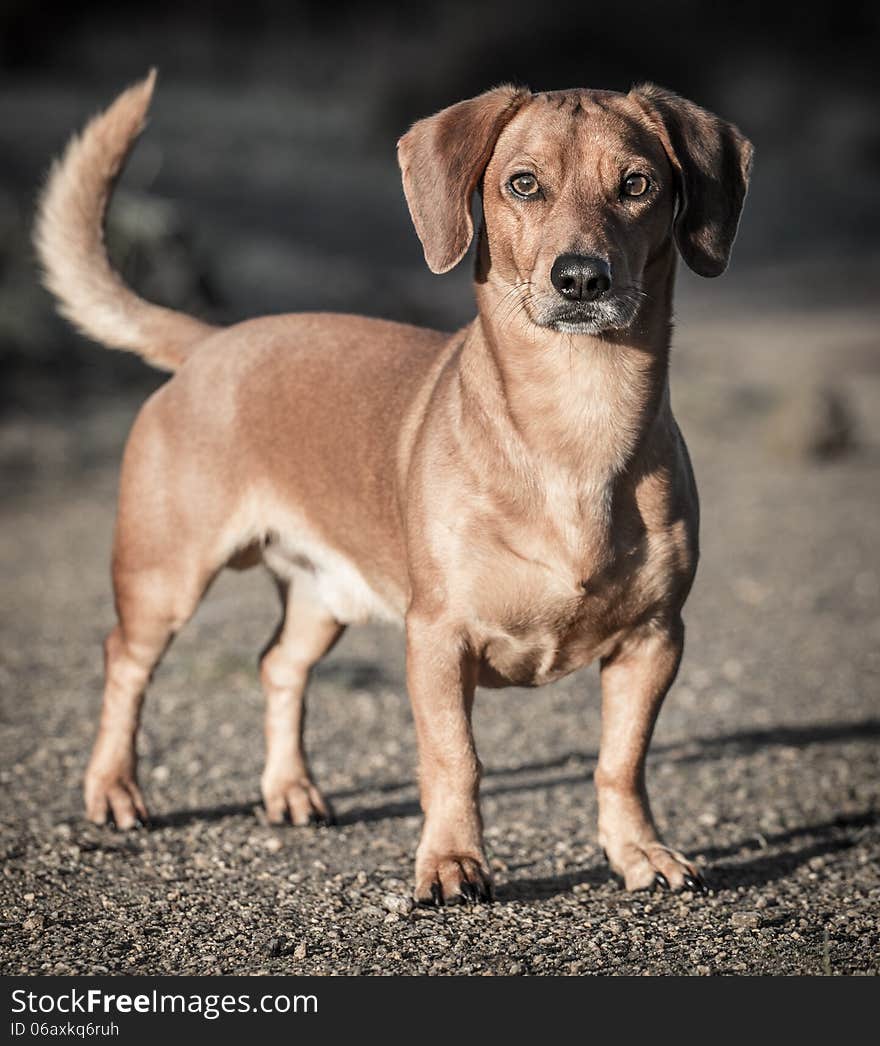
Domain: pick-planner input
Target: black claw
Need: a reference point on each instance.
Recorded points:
(695, 884)
(605, 855)
(479, 892)
(317, 820)
(468, 892)
(434, 899)
(661, 881)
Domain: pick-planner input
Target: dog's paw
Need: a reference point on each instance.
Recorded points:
(297, 801)
(644, 867)
(113, 797)
(452, 879)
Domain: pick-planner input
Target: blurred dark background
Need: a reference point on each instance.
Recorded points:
(267, 180)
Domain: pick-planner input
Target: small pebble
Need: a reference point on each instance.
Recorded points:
(746, 920)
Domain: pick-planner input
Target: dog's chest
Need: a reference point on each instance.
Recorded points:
(556, 594)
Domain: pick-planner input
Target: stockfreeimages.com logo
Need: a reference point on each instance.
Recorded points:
(95, 1001)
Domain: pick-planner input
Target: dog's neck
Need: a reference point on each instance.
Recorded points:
(580, 403)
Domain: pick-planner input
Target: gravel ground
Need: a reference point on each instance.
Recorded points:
(764, 766)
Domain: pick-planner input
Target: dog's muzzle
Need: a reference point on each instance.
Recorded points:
(586, 300)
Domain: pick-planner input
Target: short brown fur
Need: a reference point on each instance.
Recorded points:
(518, 493)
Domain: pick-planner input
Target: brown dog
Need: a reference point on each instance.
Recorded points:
(518, 492)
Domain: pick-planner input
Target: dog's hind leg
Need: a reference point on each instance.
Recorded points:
(152, 603)
(306, 633)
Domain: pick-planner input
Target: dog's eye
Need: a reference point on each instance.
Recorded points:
(635, 185)
(525, 185)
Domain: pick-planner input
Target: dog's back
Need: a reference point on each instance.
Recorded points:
(264, 398)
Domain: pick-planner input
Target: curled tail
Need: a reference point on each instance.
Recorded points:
(69, 237)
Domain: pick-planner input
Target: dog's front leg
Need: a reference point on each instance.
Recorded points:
(441, 674)
(634, 682)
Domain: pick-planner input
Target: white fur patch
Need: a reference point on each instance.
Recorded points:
(293, 551)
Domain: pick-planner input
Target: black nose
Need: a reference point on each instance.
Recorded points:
(579, 278)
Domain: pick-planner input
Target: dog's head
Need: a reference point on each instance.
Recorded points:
(581, 190)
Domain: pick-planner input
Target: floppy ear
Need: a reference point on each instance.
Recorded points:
(712, 161)
(442, 159)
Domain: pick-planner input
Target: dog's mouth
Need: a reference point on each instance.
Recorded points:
(613, 313)
(580, 323)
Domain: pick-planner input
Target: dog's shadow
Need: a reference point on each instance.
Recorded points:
(769, 857)
(202, 815)
(826, 837)
(769, 864)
